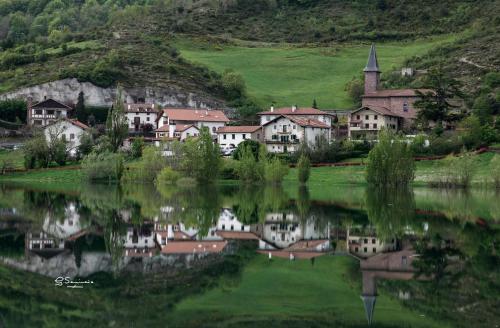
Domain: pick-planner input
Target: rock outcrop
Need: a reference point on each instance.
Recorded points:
(67, 91)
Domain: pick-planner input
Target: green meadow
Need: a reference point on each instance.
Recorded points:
(287, 75)
(293, 294)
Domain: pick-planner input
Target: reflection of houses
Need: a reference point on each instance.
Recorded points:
(43, 244)
(139, 241)
(195, 247)
(390, 266)
(364, 243)
(280, 230)
(70, 227)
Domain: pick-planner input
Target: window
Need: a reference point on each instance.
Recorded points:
(224, 136)
(373, 241)
(38, 112)
(165, 121)
(376, 117)
(71, 136)
(242, 228)
(214, 129)
(356, 249)
(244, 136)
(367, 117)
(274, 127)
(50, 112)
(366, 241)
(405, 106)
(223, 227)
(294, 127)
(367, 125)
(358, 117)
(232, 227)
(374, 250)
(233, 136)
(148, 118)
(365, 249)
(374, 125)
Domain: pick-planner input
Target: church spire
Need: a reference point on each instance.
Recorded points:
(372, 64)
(369, 303)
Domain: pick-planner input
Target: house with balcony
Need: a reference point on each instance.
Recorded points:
(46, 112)
(232, 136)
(141, 117)
(285, 133)
(172, 117)
(366, 122)
(295, 111)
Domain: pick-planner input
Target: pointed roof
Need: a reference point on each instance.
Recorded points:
(372, 64)
(369, 303)
(51, 103)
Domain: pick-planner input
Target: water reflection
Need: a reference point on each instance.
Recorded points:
(399, 236)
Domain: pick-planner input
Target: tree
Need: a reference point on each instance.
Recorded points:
(80, 107)
(390, 162)
(116, 123)
(201, 158)
(304, 169)
(315, 104)
(248, 168)
(234, 85)
(136, 148)
(434, 105)
(355, 89)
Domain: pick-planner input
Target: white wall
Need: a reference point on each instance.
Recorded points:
(145, 118)
(64, 129)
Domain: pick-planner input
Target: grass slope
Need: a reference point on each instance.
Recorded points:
(287, 75)
(293, 292)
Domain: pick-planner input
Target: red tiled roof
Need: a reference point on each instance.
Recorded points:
(179, 235)
(239, 129)
(380, 110)
(140, 108)
(200, 115)
(306, 244)
(164, 128)
(395, 93)
(304, 122)
(184, 127)
(74, 122)
(189, 247)
(236, 235)
(291, 111)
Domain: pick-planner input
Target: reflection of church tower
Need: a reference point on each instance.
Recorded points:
(372, 72)
(369, 295)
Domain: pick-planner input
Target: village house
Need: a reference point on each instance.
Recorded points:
(66, 129)
(181, 133)
(394, 108)
(212, 119)
(232, 136)
(285, 133)
(43, 244)
(139, 241)
(364, 243)
(140, 116)
(294, 111)
(46, 112)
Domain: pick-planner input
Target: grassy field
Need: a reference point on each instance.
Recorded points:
(290, 75)
(15, 158)
(296, 293)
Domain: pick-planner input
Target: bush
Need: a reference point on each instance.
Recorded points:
(147, 169)
(136, 148)
(390, 162)
(201, 157)
(229, 170)
(303, 169)
(103, 167)
(86, 145)
(254, 146)
(457, 171)
(36, 152)
(167, 176)
(248, 168)
(59, 153)
(495, 170)
(275, 171)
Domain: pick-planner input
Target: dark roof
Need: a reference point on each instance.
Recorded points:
(51, 103)
(380, 110)
(395, 93)
(372, 64)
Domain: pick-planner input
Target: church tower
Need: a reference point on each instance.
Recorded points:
(372, 72)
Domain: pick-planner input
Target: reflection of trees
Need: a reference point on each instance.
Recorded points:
(390, 210)
(40, 205)
(303, 203)
(252, 203)
(114, 230)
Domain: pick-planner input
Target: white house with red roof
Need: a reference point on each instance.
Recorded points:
(46, 112)
(139, 115)
(232, 136)
(285, 133)
(304, 113)
(66, 129)
(181, 133)
(212, 119)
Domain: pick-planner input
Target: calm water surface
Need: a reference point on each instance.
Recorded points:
(224, 256)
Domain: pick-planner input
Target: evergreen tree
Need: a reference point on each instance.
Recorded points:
(315, 104)
(434, 104)
(116, 123)
(80, 107)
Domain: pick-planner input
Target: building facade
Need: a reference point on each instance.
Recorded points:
(232, 136)
(46, 112)
(66, 129)
(141, 115)
(211, 119)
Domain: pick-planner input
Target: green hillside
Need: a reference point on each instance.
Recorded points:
(285, 74)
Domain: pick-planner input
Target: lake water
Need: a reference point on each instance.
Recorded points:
(230, 256)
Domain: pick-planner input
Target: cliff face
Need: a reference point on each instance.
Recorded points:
(67, 91)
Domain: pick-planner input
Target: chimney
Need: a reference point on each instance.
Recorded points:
(294, 108)
(272, 108)
(44, 97)
(29, 104)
